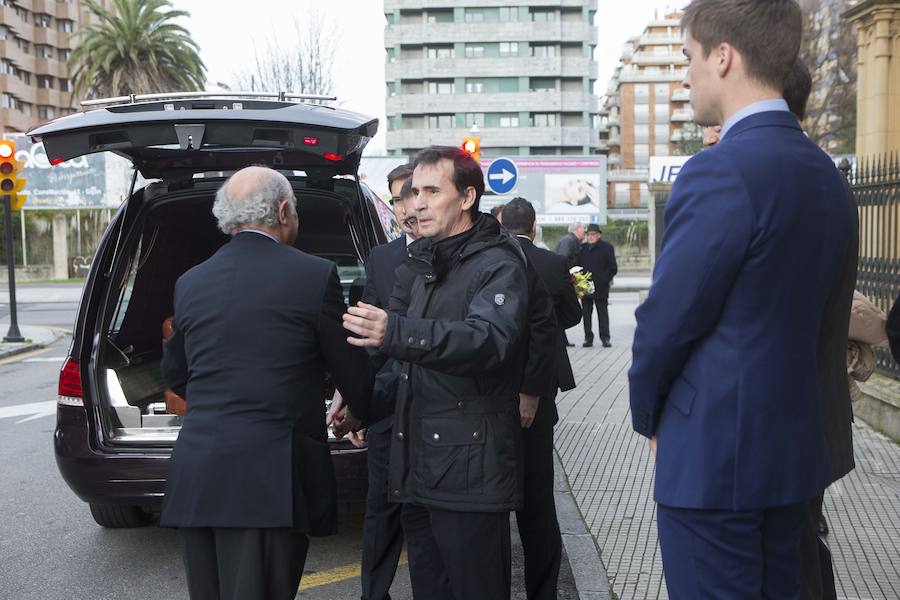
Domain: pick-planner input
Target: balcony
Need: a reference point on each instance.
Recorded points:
(497, 137)
(9, 49)
(613, 160)
(683, 115)
(447, 33)
(659, 39)
(681, 95)
(677, 135)
(551, 101)
(625, 175)
(634, 76)
(48, 36)
(393, 5)
(567, 66)
(649, 58)
(17, 87)
(16, 120)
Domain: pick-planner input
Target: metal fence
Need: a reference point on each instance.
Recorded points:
(876, 186)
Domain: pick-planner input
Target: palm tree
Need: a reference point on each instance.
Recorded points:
(137, 49)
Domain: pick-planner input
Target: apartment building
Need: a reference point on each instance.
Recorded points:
(522, 71)
(644, 113)
(36, 37)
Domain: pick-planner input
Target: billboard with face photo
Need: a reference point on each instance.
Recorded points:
(572, 194)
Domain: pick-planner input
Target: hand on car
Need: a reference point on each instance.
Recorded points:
(357, 438)
(528, 406)
(367, 321)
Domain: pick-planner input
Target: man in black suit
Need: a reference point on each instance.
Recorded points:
(382, 531)
(536, 520)
(255, 328)
(598, 258)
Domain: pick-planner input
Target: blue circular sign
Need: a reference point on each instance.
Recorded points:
(502, 176)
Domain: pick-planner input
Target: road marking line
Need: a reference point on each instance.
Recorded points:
(31, 410)
(336, 575)
(20, 357)
(58, 359)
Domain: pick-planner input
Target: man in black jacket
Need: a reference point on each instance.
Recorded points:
(255, 327)
(570, 244)
(598, 258)
(536, 520)
(456, 451)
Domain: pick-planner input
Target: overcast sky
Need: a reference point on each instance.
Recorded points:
(227, 38)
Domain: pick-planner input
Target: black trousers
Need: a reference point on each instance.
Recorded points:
(601, 300)
(382, 530)
(816, 571)
(243, 564)
(536, 520)
(457, 555)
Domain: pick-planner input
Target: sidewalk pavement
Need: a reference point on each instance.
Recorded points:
(610, 470)
(35, 339)
(43, 293)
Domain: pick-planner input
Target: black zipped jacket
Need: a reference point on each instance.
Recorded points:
(457, 439)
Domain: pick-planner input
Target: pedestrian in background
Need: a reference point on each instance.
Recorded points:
(570, 244)
(536, 520)
(725, 372)
(457, 445)
(597, 257)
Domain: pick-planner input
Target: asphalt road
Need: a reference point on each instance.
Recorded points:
(51, 549)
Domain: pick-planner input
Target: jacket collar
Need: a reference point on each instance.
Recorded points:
(772, 118)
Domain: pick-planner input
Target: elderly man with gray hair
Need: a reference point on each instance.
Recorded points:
(570, 244)
(255, 328)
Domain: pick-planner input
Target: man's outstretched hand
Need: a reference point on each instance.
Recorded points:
(367, 321)
(341, 420)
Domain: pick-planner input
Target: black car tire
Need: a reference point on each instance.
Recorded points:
(116, 516)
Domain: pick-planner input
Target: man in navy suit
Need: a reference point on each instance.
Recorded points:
(724, 377)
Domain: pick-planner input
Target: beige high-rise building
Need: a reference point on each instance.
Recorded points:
(644, 112)
(878, 76)
(36, 37)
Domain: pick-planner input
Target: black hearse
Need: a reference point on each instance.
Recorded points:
(113, 436)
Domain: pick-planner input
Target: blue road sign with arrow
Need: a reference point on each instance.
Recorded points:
(502, 175)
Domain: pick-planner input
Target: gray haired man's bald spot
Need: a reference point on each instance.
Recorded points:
(252, 196)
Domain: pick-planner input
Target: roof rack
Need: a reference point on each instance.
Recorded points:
(133, 98)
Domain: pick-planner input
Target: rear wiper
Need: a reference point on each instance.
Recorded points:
(112, 263)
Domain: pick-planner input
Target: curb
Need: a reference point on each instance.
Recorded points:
(588, 571)
(57, 334)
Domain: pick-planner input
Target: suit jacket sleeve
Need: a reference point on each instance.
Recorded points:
(540, 367)
(349, 365)
(568, 309)
(613, 265)
(482, 341)
(709, 227)
(174, 365)
(370, 292)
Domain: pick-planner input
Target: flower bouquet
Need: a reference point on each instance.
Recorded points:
(582, 281)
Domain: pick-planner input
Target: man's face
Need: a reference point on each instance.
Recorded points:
(579, 232)
(441, 209)
(592, 237)
(399, 206)
(703, 80)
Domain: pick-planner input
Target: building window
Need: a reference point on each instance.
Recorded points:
(22, 13)
(41, 20)
(661, 93)
(641, 113)
(440, 87)
(509, 13)
(65, 85)
(542, 84)
(45, 82)
(475, 15)
(440, 52)
(474, 119)
(641, 93)
(543, 50)
(45, 112)
(661, 150)
(544, 15)
(661, 113)
(43, 51)
(509, 49)
(24, 45)
(473, 51)
(65, 25)
(543, 120)
(623, 194)
(7, 101)
(641, 134)
(641, 155)
(441, 121)
(661, 133)
(474, 86)
(509, 120)
(63, 54)
(4, 32)
(440, 16)
(7, 68)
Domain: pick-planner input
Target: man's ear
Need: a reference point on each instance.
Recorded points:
(469, 198)
(534, 229)
(725, 59)
(283, 212)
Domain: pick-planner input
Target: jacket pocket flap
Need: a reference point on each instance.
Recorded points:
(682, 395)
(454, 431)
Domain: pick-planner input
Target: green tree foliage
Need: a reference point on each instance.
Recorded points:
(135, 49)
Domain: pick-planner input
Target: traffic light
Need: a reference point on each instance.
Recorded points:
(10, 182)
(472, 146)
